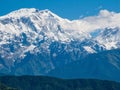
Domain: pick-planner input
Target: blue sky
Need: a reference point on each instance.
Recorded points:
(71, 9)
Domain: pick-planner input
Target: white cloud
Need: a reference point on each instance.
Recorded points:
(105, 13)
(105, 19)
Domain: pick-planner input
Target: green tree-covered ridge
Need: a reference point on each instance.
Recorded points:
(49, 83)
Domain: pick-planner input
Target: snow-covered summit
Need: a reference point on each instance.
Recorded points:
(29, 20)
(44, 23)
(27, 12)
(41, 32)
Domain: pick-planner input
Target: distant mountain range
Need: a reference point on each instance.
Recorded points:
(49, 83)
(34, 42)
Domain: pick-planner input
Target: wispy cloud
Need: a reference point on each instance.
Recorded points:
(105, 19)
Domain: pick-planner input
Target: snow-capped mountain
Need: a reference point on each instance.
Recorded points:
(35, 42)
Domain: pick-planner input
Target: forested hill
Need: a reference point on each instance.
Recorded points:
(4, 87)
(49, 83)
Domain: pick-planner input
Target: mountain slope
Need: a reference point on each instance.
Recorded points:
(49, 83)
(34, 42)
(34, 34)
(104, 65)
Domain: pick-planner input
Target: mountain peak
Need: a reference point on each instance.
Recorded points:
(32, 10)
(46, 11)
(28, 12)
(22, 12)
